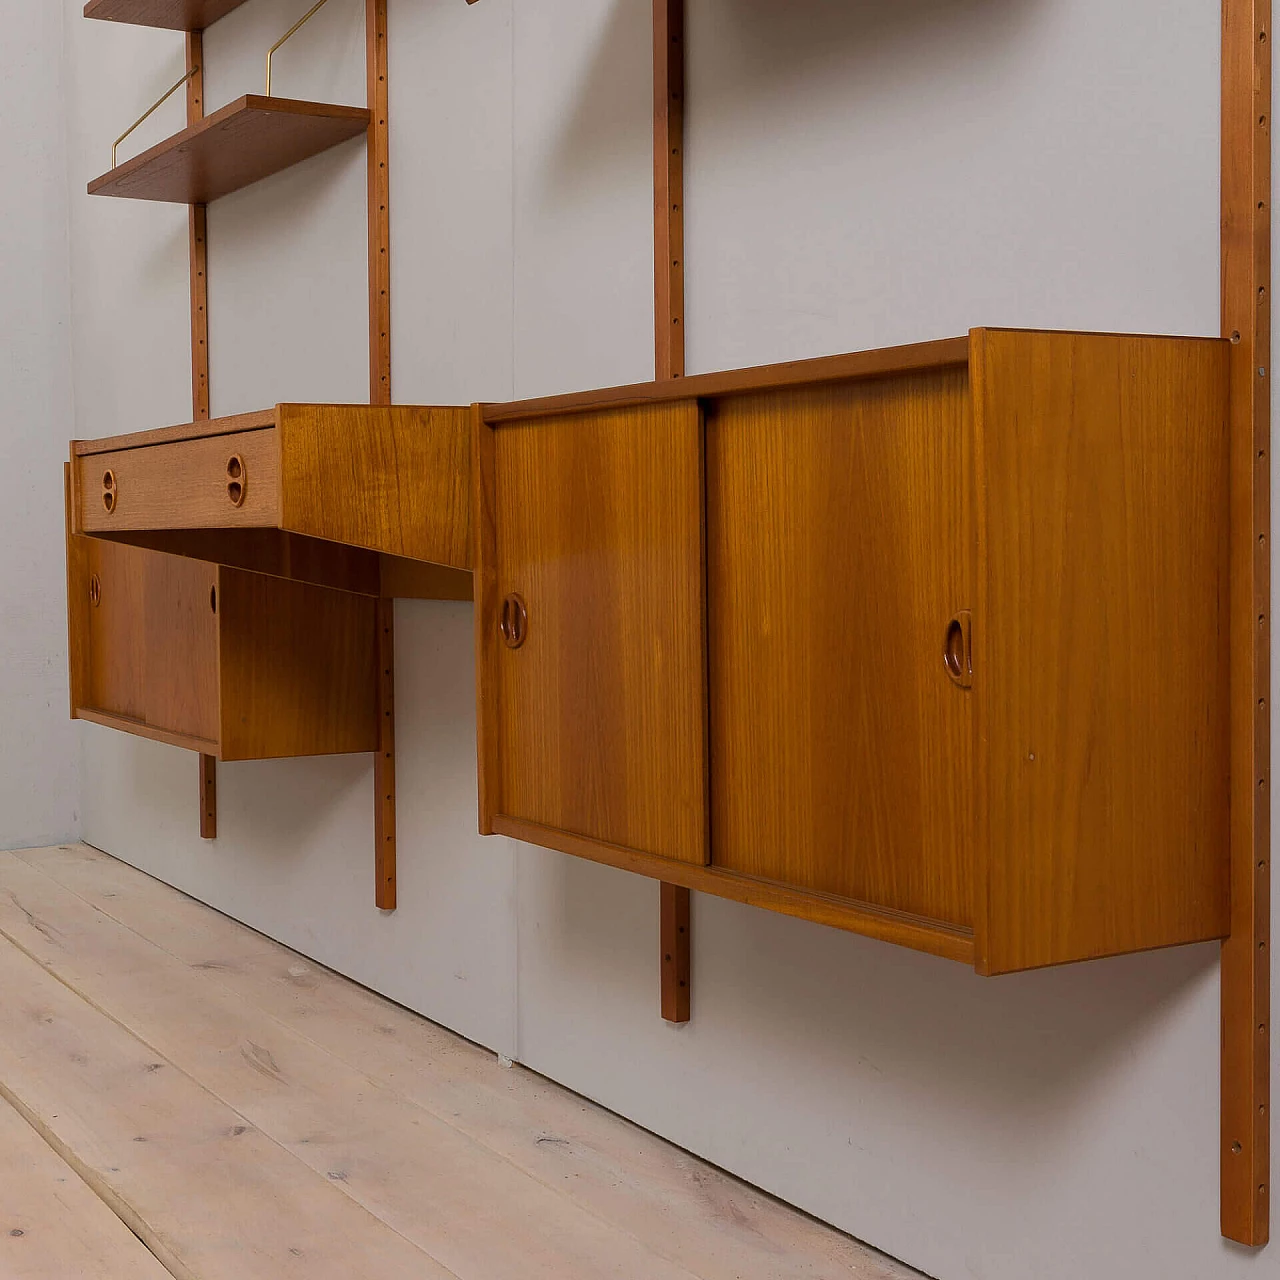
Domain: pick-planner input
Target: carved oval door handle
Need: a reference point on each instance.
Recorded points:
(237, 480)
(109, 491)
(957, 650)
(513, 621)
(95, 590)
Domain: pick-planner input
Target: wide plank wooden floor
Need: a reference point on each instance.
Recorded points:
(180, 1096)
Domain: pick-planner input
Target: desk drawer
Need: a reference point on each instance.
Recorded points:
(225, 481)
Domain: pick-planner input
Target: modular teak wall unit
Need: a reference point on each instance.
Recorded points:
(927, 643)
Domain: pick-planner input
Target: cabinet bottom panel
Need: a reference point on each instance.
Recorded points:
(932, 936)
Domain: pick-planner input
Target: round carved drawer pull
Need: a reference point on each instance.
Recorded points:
(514, 622)
(109, 491)
(237, 480)
(95, 591)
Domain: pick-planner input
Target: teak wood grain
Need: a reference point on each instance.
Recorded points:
(180, 668)
(599, 720)
(837, 554)
(392, 479)
(298, 669)
(1246, 322)
(183, 486)
(240, 144)
(1100, 673)
(173, 15)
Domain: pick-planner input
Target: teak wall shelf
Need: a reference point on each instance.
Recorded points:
(173, 15)
(927, 643)
(247, 140)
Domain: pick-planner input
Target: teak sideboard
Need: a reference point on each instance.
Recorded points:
(928, 643)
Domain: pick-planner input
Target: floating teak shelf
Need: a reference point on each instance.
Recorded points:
(247, 140)
(174, 15)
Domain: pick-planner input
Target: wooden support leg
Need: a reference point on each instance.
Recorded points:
(384, 768)
(208, 797)
(675, 953)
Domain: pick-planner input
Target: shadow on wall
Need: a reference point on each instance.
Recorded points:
(1013, 1055)
(289, 805)
(764, 48)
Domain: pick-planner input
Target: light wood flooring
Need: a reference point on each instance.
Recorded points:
(180, 1096)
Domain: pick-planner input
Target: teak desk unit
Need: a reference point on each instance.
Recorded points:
(341, 495)
(927, 643)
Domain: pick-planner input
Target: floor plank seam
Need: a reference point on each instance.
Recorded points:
(100, 1188)
(118, 1205)
(9, 1099)
(211, 976)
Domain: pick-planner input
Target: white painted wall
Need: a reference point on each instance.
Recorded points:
(39, 798)
(858, 174)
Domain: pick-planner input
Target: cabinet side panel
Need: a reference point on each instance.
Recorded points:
(390, 479)
(841, 748)
(599, 715)
(298, 668)
(116, 657)
(78, 605)
(1102, 645)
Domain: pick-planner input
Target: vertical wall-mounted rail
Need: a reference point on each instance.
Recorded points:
(208, 797)
(668, 326)
(675, 953)
(1246, 319)
(197, 254)
(384, 773)
(668, 187)
(379, 186)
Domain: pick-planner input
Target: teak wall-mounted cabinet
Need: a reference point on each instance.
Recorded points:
(231, 664)
(927, 643)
